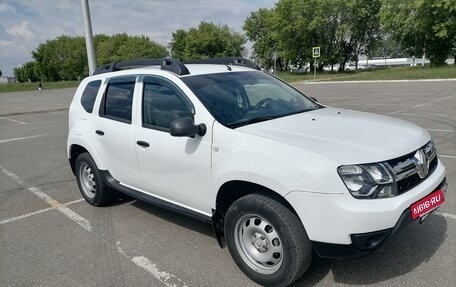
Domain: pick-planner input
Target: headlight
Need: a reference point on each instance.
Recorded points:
(366, 181)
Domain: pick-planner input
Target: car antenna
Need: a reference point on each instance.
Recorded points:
(226, 65)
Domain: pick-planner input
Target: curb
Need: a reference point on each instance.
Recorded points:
(33, 112)
(371, 81)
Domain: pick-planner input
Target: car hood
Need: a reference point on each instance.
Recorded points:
(346, 136)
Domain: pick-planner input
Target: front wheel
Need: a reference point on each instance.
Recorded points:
(267, 241)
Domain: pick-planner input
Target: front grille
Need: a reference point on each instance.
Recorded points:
(410, 182)
(412, 169)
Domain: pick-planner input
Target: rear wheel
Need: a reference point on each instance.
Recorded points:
(267, 241)
(90, 183)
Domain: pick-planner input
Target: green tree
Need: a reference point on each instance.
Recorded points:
(178, 44)
(121, 47)
(422, 26)
(1, 73)
(207, 41)
(342, 28)
(259, 28)
(63, 58)
(27, 72)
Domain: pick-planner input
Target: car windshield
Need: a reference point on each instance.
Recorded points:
(240, 98)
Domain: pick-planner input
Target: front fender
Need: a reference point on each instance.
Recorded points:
(278, 166)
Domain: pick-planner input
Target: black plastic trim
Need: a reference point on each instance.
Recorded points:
(113, 183)
(117, 66)
(175, 66)
(235, 61)
(365, 243)
(143, 143)
(157, 128)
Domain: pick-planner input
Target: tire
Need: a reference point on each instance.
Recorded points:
(267, 241)
(90, 182)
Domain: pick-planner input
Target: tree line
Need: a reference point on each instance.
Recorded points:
(65, 58)
(344, 29)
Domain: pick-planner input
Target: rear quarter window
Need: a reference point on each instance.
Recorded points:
(89, 95)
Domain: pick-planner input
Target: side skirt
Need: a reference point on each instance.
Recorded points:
(113, 183)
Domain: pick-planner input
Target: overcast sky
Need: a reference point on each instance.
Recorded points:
(24, 24)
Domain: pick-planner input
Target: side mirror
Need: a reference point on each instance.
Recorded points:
(184, 127)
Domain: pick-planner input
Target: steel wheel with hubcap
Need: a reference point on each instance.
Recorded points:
(267, 240)
(90, 183)
(258, 243)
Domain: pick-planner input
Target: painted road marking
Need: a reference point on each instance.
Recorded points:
(18, 108)
(37, 212)
(372, 81)
(146, 264)
(420, 105)
(447, 156)
(424, 114)
(84, 223)
(59, 113)
(441, 130)
(14, 121)
(164, 277)
(447, 215)
(22, 138)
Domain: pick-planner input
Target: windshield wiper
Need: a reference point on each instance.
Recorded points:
(251, 121)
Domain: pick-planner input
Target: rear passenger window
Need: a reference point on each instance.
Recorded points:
(118, 100)
(89, 95)
(162, 104)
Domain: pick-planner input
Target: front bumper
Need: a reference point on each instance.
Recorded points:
(365, 243)
(342, 226)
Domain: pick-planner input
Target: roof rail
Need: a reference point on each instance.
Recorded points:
(173, 65)
(168, 64)
(117, 66)
(235, 61)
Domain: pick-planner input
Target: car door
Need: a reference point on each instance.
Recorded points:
(113, 132)
(177, 169)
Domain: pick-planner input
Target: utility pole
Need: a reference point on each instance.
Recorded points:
(89, 37)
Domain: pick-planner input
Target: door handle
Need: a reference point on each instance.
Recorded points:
(99, 132)
(142, 143)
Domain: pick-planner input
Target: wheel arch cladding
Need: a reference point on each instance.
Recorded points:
(231, 191)
(75, 151)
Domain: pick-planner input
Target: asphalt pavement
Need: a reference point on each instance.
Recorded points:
(49, 236)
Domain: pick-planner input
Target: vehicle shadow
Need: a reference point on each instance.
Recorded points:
(409, 248)
(176, 218)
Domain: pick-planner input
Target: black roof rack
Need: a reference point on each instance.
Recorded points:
(173, 65)
(235, 61)
(168, 64)
(117, 66)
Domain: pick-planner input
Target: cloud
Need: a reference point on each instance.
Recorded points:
(27, 23)
(21, 31)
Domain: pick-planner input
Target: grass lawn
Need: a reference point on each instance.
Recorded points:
(17, 87)
(396, 73)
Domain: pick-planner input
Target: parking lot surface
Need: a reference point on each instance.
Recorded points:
(49, 236)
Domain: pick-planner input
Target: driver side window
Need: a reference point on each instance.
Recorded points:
(163, 103)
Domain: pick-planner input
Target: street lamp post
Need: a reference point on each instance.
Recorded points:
(89, 37)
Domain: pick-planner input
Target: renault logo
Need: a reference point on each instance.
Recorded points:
(422, 163)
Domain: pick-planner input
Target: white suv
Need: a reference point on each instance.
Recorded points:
(280, 176)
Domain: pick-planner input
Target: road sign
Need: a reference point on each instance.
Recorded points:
(274, 56)
(316, 52)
